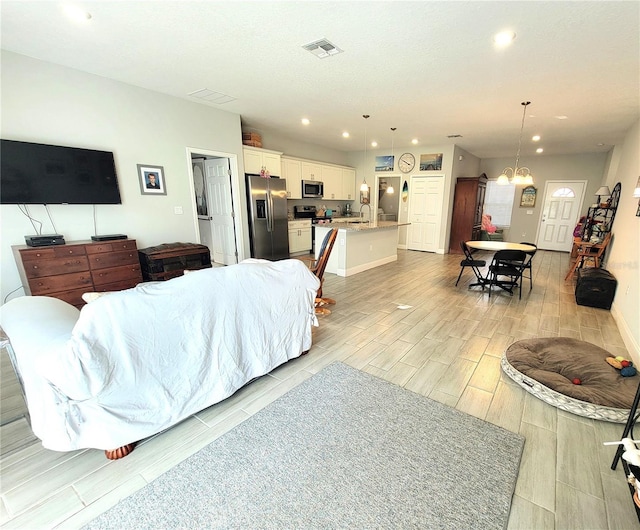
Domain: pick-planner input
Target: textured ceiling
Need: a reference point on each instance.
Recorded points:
(428, 68)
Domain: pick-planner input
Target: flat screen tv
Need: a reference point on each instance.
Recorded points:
(33, 173)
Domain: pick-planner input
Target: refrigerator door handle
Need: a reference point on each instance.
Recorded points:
(269, 211)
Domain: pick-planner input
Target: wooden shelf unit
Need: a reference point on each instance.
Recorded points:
(68, 271)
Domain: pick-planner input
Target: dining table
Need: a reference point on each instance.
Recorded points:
(494, 246)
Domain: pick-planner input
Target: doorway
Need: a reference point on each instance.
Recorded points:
(425, 213)
(387, 201)
(560, 212)
(215, 199)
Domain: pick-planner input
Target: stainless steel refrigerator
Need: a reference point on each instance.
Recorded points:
(268, 223)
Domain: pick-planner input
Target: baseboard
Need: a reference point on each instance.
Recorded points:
(627, 337)
(359, 268)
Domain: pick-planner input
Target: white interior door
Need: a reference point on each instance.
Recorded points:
(560, 211)
(220, 205)
(425, 213)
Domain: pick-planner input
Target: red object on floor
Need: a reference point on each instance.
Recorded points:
(576, 381)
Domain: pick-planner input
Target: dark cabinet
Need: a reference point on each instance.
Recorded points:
(468, 203)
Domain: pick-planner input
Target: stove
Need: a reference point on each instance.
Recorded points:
(309, 212)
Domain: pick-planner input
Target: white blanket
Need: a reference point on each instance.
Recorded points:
(141, 360)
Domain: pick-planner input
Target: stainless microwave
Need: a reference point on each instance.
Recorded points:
(312, 189)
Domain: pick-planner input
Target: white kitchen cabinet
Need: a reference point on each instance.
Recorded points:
(332, 179)
(300, 236)
(292, 172)
(255, 159)
(348, 184)
(311, 170)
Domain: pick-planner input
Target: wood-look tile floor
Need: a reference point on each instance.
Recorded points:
(446, 345)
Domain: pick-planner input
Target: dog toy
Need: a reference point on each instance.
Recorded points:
(624, 365)
(576, 381)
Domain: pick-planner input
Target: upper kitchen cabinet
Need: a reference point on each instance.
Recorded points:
(332, 179)
(292, 172)
(311, 170)
(348, 184)
(255, 159)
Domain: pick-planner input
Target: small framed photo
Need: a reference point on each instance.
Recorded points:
(431, 162)
(528, 197)
(151, 180)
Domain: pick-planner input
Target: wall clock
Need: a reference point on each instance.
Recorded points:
(406, 162)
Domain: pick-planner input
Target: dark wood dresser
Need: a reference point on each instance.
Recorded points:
(468, 203)
(67, 271)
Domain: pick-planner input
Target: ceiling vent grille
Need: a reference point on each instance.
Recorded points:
(454, 136)
(322, 48)
(211, 96)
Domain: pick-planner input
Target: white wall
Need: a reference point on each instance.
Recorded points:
(623, 260)
(46, 103)
(588, 166)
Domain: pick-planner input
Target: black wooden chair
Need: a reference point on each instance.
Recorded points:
(475, 265)
(528, 263)
(506, 269)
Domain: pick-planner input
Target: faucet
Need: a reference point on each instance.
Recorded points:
(368, 206)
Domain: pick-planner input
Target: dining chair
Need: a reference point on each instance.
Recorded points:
(589, 252)
(469, 261)
(507, 264)
(528, 263)
(318, 266)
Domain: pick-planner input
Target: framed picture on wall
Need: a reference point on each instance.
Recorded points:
(528, 197)
(431, 162)
(151, 180)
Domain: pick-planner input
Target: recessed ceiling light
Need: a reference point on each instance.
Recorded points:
(561, 117)
(539, 150)
(504, 38)
(75, 13)
(345, 134)
(536, 138)
(305, 121)
(374, 144)
(414, 141)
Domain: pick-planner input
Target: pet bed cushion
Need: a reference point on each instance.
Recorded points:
(546, 368)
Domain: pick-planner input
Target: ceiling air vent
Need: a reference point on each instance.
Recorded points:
(322, 48)
(454, 136)
(211, 96)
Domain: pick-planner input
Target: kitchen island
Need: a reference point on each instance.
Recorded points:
(360, 245)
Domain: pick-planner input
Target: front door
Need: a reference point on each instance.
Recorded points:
(425, 213)
(560, 212)
(223, 240)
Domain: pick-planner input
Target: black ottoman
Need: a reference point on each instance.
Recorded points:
(595, 288)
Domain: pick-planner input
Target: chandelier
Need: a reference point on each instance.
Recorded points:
(519, 175)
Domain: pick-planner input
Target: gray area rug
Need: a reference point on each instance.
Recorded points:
(344, 449)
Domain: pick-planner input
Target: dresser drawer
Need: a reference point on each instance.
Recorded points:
(111, 246)
(46, 286)
(117, 274)
(113, 259)
(58, 251)
(56, 266)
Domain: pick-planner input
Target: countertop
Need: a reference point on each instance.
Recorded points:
(356, 225)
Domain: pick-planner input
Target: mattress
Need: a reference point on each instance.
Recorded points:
(547, 367)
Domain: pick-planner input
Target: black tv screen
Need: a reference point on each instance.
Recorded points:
(33, 173)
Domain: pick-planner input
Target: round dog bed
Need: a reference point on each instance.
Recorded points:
(546, 368)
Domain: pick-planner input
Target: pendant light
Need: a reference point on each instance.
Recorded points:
(519, 175)
(390, 189)
(364, 186)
